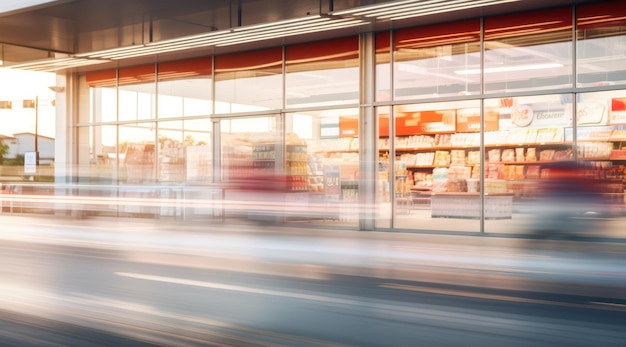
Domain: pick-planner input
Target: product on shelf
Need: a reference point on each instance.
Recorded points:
(519, 155)
(494, 155)
(442, 158)
(508, 155)
(457, 157)
(531, 154)
(546, 154)
(473, 157)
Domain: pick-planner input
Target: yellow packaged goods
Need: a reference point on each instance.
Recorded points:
(494, 155)
(457, 157)
(508, 155)
(473, 157)
(519, 172)
(442, 158)
(519, 155)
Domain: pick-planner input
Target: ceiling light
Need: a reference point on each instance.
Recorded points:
(396, 10)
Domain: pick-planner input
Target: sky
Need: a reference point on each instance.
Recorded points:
(16, 86)
(13, 5)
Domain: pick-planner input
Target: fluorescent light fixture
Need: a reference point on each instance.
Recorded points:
(510, 68)
(397, 10)
(55, 64)
(238, 35)
(231, 36)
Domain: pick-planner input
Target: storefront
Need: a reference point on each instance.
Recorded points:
(441, 127)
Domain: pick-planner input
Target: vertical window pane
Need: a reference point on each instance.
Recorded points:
(601, 52)
(137, 90)
(323, 73)
(171, 152)
(431, 61)
(332, 161)
(250, 81)
(527, 51)
(239, 138)
(198, 144)
(185, 88)
(437, 160)
(534, 133)
(383, 66)
(102, 86)
(137, 153)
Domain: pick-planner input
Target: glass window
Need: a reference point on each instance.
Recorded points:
(533, 133)
(249, 81)
(433, 60)
(185, 88)
(137, 90)
(323, 152)
(384, 198)
(171, 152)
(527, 51)
(436, 165)
(198, 146)
(137, 145)
(601, 45)
(383, 66)
(99, 165)
(103, 96)
(240, 137)
(323, 73)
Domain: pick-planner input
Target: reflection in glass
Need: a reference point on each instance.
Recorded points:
(429, 61)
(322, 73)
(383, 66)
(198, 145)
(601, 43)
(171, 152)
(527, 51)
(329, 164)
(250, 81)
(137, 146)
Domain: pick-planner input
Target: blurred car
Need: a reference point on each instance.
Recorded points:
(570, 201)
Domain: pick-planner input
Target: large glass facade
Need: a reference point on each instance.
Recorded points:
(470, 118)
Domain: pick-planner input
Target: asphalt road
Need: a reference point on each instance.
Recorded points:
(117, 283)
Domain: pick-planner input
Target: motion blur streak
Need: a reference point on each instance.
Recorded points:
(136, 282)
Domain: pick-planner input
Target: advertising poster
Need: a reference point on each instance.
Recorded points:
(618, 111)
(468, 119)
(426, 122)
(30, 162)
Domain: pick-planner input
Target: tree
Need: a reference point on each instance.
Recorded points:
(4, 150)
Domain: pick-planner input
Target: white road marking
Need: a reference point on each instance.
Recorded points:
(236, 288)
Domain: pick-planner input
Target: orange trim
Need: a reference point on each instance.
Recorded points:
(540, 21)
(383, 42)
(104, 78)
(329, 50)
(434, 35)
(602, 15)
(184, 68)
(137, 74)
(246, 61)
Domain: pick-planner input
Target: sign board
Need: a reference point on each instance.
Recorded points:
(332, 182)
(30, 162)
